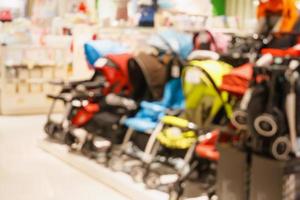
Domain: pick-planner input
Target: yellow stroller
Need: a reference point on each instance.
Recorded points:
(171, 146)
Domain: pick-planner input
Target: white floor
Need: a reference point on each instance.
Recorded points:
(28, 173)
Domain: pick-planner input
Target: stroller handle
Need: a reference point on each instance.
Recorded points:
(64, 98)
(91, 85)
(57, 82)
(180, 122)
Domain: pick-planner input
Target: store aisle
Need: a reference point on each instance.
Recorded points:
(29, 173)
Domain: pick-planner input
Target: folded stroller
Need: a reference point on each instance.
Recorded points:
(262, 114)
(271, 111)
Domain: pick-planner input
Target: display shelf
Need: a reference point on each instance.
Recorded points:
(25, 71)
(117, 180)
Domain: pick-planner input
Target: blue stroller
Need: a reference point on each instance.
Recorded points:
(142, 125)
(95, 51)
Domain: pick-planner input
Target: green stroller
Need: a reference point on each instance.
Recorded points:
(170, 148)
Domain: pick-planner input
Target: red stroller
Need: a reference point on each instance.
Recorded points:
(81, 98)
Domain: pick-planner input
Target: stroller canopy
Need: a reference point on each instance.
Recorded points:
(154, 74)
(170, 40)
(116, 74)
(96, 49)
(201, 83)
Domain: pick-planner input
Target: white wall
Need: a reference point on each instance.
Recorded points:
(14, 4)
(244, 10)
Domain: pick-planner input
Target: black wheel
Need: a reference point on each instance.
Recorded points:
(69, 138)
(72, 149)
(54, 131)
(101, 159)
(281, 148)
(115, 164)
(137, 173)
(176, 192)
(174, 195)
(152, 180)
(88, 150)
(239, 119)
(50, 128)
(266, 125)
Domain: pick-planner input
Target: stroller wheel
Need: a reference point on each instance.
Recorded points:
(88, 152)
(281, 148)
(115, 164)
(175, 192)
(51, 128)
(174, 195)
(72, 148)
(239, 119)
(69, 139)
(266, 125)
(137, 173)
(152, 180)
(101, 159)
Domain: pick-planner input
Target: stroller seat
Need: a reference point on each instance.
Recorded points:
(145, 125)
(203, 104)
(175, 139)
(180, 133)
(151, 112)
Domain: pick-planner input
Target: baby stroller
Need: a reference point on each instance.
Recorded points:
(175, 137)
(272, 124)
(76, 92)
(116, 75)
(267, 127)
(143, 123)
(206, 153)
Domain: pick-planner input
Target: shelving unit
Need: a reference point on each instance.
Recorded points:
(25, 73)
